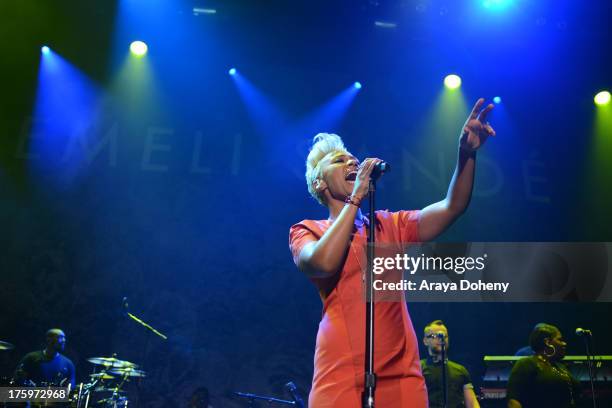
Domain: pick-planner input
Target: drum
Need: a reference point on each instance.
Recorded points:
(75, 400)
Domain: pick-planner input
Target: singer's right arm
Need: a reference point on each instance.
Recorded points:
(325, 257)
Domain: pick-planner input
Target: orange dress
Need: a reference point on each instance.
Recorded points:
(340, 347)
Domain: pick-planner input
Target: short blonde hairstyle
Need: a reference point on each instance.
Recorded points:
(434, 323)
(322, 145)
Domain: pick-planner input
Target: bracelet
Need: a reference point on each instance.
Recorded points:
(466, 150)
(352, 200)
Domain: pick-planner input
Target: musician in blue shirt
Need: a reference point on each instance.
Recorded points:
(47, 366)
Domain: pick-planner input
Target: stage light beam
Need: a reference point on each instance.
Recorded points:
(452, 81)
(138, 48)
(232, 71)
(357, 85)
(45, 50)
(496, 5)
(602, 98)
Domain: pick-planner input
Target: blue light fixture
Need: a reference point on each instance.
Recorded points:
(496, 5)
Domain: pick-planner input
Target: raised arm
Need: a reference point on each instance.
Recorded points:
(437, 217)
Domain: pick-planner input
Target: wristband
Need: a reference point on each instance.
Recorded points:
(353, 200)
(467, 150)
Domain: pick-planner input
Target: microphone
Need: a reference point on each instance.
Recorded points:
(124, 306)
(380, 169)
(297, 400)
(580, 332)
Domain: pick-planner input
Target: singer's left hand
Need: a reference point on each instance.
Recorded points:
(476, 129)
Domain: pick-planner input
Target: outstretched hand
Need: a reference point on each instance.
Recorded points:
(476, 129)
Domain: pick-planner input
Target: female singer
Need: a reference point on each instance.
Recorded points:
(542, 380)
(331, 253)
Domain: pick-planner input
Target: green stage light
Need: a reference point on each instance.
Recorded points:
(138, 48)
(602, 98)
(452, 81)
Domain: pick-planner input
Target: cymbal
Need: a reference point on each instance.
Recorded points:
(6, 345)
(103, 376)
(130, 372)
(113, 390)
(111, 362)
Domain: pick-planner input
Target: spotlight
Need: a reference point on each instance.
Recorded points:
(497, 100)
(232, 71)
(452, 81)
(496, 4)
(357, 85)
(602, 98)
(385, 24)
(200, 10)
(45, 50)
(138, 48)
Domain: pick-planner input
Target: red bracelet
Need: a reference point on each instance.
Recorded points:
(352, 200)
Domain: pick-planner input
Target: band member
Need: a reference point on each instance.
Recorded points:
(460, 391)
(47, 366)
(331, 253)
(542, 380)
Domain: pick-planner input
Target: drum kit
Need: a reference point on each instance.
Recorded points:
(105, 388)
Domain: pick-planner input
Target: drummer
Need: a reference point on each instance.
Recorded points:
(47, 366)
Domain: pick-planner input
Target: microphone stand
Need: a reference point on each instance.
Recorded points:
(444, 373)
(145, 325)
(590, 361)
(139, 321)
(367, 397)
(253, 397)
(297, 400)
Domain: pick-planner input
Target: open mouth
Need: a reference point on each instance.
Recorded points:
(350, 177)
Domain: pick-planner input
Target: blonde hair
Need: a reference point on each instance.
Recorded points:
(322, 145)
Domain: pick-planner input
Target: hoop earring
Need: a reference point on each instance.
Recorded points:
(553, 352)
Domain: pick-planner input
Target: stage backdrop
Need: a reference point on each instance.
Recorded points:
(175, 186)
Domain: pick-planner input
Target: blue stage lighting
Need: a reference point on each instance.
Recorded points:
(497, 100)
(69, 104)
(232, 71)
(45, 50)
(496, 4)
(357, 85)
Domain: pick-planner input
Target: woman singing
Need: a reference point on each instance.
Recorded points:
(542, 380)
(331, 253)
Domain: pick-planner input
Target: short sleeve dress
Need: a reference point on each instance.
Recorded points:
(340, 345)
